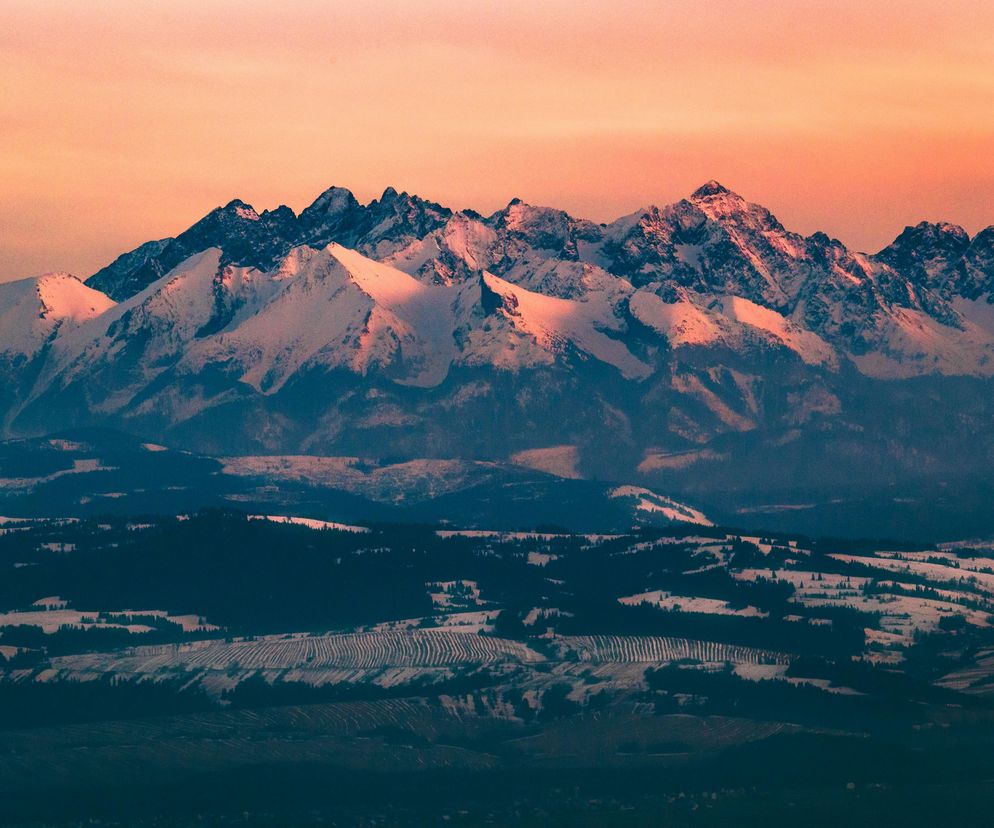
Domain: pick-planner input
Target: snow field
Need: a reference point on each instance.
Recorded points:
(682, 603)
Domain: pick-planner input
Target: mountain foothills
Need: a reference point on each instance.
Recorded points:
(701, 347)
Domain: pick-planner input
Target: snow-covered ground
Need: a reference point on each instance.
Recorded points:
(50, 614)
(34, 310)
(79, 466)
(311, 523)
(452, 595)
(905, 608)
(683, 603)
(648, 501)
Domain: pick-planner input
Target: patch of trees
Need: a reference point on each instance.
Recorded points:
(725, 693)
(69, 638)
(26, 704)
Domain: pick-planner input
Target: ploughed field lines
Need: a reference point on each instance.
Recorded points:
(976, 678)
(662, 649)
(388, 659)
(354, 651)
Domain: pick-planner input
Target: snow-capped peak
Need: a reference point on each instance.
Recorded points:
(711, 270)
(33, 310)
(64, 296)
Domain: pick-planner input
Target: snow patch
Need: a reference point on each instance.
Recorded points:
(682, 603)
(556, 323)
(311, 523)
(648, 501)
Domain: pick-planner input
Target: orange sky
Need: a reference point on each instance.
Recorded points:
(126, 121)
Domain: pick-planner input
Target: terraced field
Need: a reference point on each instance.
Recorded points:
(656, 649)
(398, 658)
(383, 658)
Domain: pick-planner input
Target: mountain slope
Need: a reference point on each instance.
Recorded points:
(715, 243)
(340, 310)
(685, 347)
(33, 311)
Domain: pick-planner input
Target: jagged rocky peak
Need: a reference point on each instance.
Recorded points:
(244, 236)
(823, 240)
(240, 216)
(543, 228)
(717, 202)
(930, 254)
(677, 231)
(720, 204)
(238, 209)
(399, 216)
(281, 213)
(243, 212)
(333, 201)
(981, 252)
(713, 242)
(926, 241)
(332, 215)
(979, 258)
(711, 189)
(403, 201)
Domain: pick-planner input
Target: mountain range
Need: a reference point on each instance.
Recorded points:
(700, 347)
